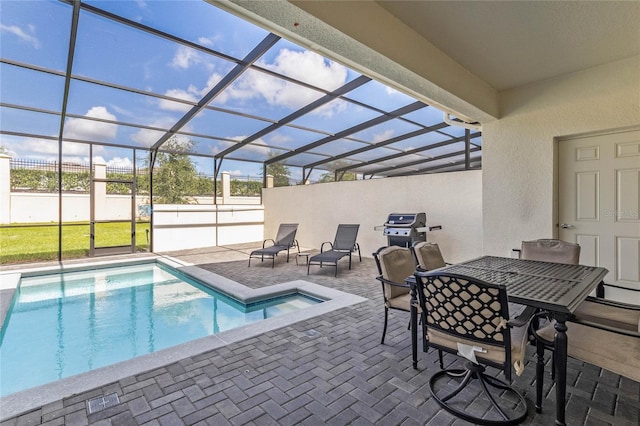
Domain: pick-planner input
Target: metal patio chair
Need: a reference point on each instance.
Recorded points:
(285, 240)
(550, 250)
(394, 264)
(343, 245)
(427, 256)
(470, 318)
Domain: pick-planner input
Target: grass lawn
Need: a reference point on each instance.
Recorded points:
(26, 243)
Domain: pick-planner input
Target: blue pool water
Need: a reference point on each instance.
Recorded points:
(64, 324)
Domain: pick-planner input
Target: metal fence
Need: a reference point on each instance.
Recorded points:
(42, 176)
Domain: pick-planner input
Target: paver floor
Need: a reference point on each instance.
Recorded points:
(331, 370)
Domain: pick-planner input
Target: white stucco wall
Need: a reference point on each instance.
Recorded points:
(519, 149)
(189, 226)
(29, 207)
(452, 200)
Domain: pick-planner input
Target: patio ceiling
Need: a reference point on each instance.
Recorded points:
(134, 75)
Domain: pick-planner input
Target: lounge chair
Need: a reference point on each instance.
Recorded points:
(343, 245)
(285, 240)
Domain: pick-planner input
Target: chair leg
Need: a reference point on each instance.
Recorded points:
(423, 322)
(384, 329)
(511, 410)
(440, 359)
(539, 374)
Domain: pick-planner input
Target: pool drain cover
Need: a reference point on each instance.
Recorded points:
(102, 402)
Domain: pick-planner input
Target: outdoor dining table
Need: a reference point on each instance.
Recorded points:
(555, 287)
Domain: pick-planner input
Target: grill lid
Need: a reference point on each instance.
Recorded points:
(404, 219)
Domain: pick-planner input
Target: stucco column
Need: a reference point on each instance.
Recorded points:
(5, 189)
(100, 194)
(269, 181)
(226, 188)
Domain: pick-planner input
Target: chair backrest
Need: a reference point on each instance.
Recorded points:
(461, 309)
(550, 250)
(395, 264)
(286, 234)
(428, 255)
(346, 235)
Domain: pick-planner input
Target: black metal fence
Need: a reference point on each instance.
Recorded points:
(42, 176)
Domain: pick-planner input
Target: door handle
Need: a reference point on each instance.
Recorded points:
(566, 226)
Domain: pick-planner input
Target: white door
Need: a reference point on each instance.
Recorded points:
(598, 207)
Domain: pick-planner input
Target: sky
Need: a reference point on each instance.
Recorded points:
(37, 33)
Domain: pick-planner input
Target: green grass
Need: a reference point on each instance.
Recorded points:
(26, 243)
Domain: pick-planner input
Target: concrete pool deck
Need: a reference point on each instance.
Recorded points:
(328, 369)
(29, 399)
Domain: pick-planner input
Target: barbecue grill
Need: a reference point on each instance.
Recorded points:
(402, 229)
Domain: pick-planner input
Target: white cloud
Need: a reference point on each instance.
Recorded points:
(124, 163)
(253, 85)
(279, 138)
(78, 128)
(310, 68)
(147, 137)
(383, 136)
(211, 82)
(305, 66)
(192, 94)
(205, 41)
(236, 172)
(187, 95)
(185, 57)
(27, 36)
(391, 91)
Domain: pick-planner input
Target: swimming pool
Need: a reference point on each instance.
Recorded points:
(63, 324)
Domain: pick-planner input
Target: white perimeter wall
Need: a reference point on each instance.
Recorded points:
(178, 227)
(518, 155)
(29, 207)
(453, 200)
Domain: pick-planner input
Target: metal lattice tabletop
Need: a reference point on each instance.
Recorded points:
(553, 286)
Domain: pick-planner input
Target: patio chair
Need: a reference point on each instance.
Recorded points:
(394, 264)
(601, 332)
(343, 245)
(550, 250)
(427, 256)
(285, 240)
(470, 318)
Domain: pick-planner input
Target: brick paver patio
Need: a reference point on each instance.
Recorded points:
(331, 370)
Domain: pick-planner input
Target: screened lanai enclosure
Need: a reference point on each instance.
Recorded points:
(112, 111)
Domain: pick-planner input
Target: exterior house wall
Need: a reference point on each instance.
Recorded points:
(519, 150)
(452, 200)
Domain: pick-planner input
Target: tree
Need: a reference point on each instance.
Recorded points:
(329, 176)
(280, 172)
(174, 173)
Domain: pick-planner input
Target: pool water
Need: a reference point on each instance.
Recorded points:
(64, 324)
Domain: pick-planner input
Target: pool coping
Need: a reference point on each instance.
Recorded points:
(29, 399)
